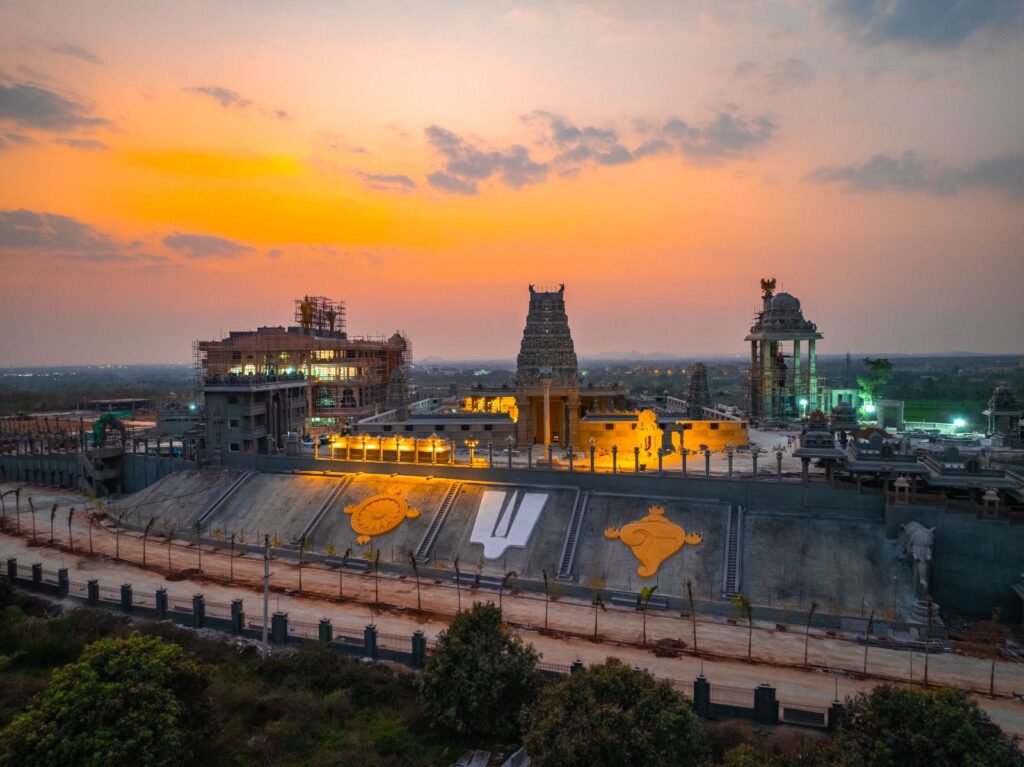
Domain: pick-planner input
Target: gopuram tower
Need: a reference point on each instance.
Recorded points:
(547, 373)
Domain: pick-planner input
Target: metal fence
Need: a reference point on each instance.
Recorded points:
(803, 714)
(725, 695)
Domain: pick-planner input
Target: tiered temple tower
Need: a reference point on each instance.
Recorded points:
(547, 373)
(699, 397)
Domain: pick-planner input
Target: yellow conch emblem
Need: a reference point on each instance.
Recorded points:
(379, 514)
(653, 539)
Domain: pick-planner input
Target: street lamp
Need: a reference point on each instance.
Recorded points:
(433, 451)
(398, 449)
(593, 446)
(511, 440)
(803, 404)
(729, 451)
(684, 452)
(471, 444)
(959, 423)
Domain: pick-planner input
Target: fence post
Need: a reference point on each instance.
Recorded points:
(126, 597)
(198, 611)
(63, 584)
(37, 575)
(766, 707)
(279, 628)
(835, 712)
(93, 590)
(12, 567)
(370, 641)
(325, 632)
(702, 696)
(419, 649)
(161, 603)
(237, 616)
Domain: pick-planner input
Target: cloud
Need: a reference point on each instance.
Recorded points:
(275, 253)
(29, 230)
(467, 165)
(778, 76)
(727, 135)
(31, 106)
(908, 172)
(11, 140)
(205, 246)
(572, 147)
(386, 182)
(72, 50)
(226, 97)
(926, 24)
(89, 145)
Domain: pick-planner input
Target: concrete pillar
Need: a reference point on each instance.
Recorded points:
(12, 568)
(126, 597)
(279, 628)
(804, 465)
(92, 589)
(370, 641)
(325, 632)
(237, 616)
(576, 667)
(419, 649)
(768, 364)
(198, 611)
(546, 383)
(835, 712)
(63, 583)
(766, 707)
(798, 365)
(37, 575)
(812, 376)
(161, 603)
(702, 696)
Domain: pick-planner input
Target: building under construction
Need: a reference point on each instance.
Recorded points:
(340, 377)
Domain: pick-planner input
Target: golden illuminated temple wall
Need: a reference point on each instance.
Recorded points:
(491, 404)
(644, 433)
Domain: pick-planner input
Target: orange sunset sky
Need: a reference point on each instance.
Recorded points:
(172, 171)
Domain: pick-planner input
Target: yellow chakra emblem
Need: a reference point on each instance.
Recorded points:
(653, 539)
(379, 514)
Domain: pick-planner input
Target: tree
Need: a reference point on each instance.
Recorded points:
(134, 701)
(744, 606)
(872, 383)
(612, 715)
(893, 727)
(480, 675)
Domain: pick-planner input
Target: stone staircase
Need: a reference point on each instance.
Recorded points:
(423, 550)
(223, 498)
(572, 536)
(734, 540)
(322, 511)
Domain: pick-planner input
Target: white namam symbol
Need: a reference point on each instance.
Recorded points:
(505, 520)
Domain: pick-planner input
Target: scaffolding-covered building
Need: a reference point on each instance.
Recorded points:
(341, 378)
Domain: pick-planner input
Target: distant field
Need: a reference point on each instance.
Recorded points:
(944, 410)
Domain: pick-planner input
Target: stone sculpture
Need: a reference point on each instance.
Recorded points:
(653, 539)
(917, 548)
(379, 514)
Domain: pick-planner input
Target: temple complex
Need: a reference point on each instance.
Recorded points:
(777, 334)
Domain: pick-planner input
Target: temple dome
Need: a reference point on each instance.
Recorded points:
(784, 302)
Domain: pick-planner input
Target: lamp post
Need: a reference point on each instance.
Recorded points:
(511, 440)
(636, 459)
(433, 451)
(707, 462)
(684, 452)
(398, 449)
(364, 440)
(490, 454)
(803, 407)
(615, 459)
(778, 463)
(451, 452)
(415, 450)
(348, 448)
(661, 458)
(471, 444)
(729, 451)
(754, 452)
(593, 446)
(551, 459)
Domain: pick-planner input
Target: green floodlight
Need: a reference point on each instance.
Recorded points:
(959, 423)
(869, 408)
(803, 402)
